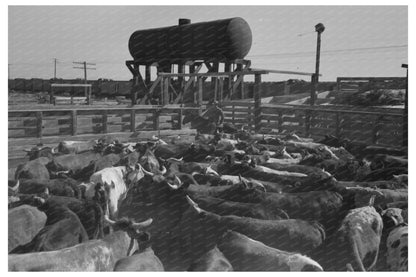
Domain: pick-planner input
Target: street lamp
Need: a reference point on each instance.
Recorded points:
(319, 28)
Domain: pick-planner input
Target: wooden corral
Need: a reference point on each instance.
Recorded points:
(82, 120)
(373, 127)
(354, 84)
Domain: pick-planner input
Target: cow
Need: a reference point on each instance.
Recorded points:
(392, 217)
(40, 151)
(182, 232)
(313, 205)
(61, 187)
(93, 255)
(392, 184)
(380, 161)
(254, 210)
(75, 147)
(356, 243)
(397, 249)
(115, 181)
(149, 162)
(62, 229)
(201, 124)
(108, 160)
(24, 223)
(145, 260)
(35, 169)
(383, 196)
(176, 150)
(213, 260)
(246, 254)
(71, 164)
(383, 174)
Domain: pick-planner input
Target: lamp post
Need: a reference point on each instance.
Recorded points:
(319, 28)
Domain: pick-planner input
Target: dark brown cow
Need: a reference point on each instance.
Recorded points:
(35, 169)
(182, 232)
(62, 229)
(254, 210)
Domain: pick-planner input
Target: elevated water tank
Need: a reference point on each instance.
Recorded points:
(222, 40)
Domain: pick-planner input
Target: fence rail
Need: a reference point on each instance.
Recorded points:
(369, 126)
(72, 122)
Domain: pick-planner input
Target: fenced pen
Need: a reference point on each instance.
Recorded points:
(384, 127)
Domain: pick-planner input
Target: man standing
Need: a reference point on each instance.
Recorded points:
(215, 114)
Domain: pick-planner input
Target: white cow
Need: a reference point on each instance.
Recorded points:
(114, 180)
(397, 249)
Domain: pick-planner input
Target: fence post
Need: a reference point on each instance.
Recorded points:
(74, 122)
(200, 93)
(105, 119)
(133, 120)
(156, 120)
(180, 119)
(257, 102)
(166, 92)
(376, 129)
(337, 125)
(39, 121)
(280, 121)
(308, 115)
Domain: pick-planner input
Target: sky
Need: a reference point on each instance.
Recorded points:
(358, 41)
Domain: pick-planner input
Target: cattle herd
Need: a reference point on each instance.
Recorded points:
(223, 202)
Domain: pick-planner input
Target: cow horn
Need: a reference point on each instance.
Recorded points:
(53, 151)
(108, 220)
(191, 202)
(164, 170)
(174, 159)
(27, 151)
(174, 187)
(142, 224)
(178, 181)
(46, 191)
(16, 187)
(146, 172)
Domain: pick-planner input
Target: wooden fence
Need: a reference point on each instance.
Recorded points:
(384, 127)
(80, 121)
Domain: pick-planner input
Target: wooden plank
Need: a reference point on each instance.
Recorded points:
(105, 121)
(74, 123)
(237, 103)
(39, 124)
(155, 120)
(133, 113)
(236, 110)
(237, 120)
(180, 116)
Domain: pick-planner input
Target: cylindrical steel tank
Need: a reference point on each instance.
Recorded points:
(226, 39)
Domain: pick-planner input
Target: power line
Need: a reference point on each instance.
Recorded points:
(333, 51)
(85, 68)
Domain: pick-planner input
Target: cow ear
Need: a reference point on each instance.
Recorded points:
(113, 186)
(379, 210)
(371, 201)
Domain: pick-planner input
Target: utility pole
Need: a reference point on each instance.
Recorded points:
(8, 71)
(319, 28)
(54, 69)
(405, 117)
(85, 68)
